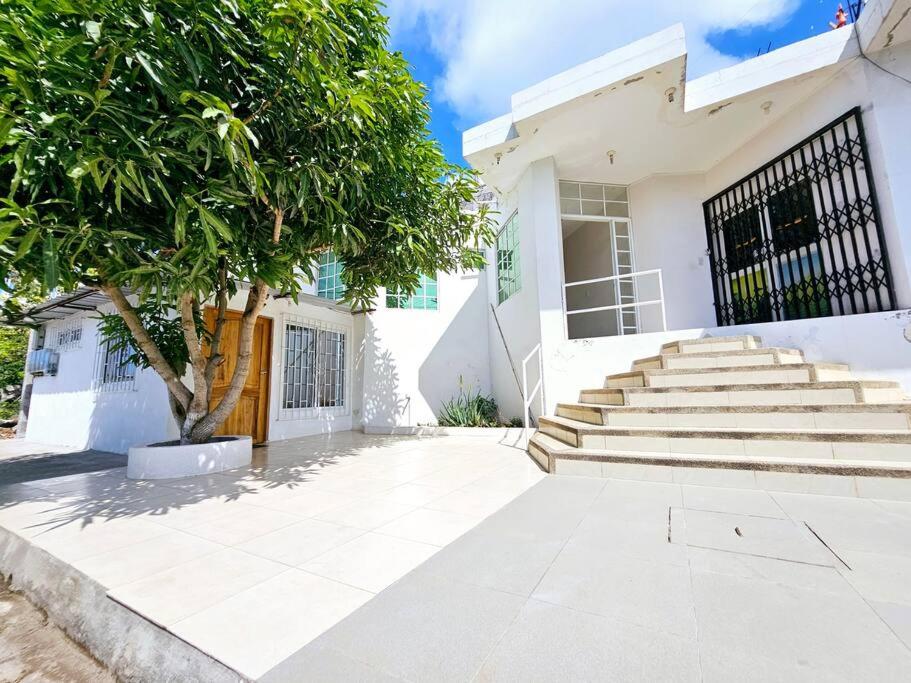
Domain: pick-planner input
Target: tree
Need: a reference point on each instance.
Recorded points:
(173, 149)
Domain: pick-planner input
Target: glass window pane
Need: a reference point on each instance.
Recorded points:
(590, 208)
(615, 193)
(617, 209)
(570, 207)
(593, 192)
(570, 190)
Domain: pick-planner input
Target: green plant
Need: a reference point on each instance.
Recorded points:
(516, 422)
(9, 410)
(171, 148)
(13, 345)
(469, 409)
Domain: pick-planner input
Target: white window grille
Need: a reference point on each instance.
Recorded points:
(69, 335)
(314, 369)
(593, 199)
(113, 369)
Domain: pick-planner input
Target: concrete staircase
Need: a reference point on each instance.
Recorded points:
(725, 410)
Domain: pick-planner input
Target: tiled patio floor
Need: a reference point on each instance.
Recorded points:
(577, 580)
(250, 566)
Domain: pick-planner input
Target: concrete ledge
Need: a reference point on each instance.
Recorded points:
(133, 648)
(501, 433)
(171, 461)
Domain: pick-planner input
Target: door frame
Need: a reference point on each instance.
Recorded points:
(264, 411)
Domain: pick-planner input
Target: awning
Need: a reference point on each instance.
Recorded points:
(83, 299)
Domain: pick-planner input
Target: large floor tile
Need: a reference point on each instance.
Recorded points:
(739, 501)
(256, 629)
(426, 629)
(760, 630)
(311, 502)
(176, 593)
(783, 539)
(72, 542)
(593, 577)
(302, 541)
(366, 514)
(496, 559)
(553, 643)
(371, 561)
(145, 558)
(324, 665)
(429, 526)
(243, 525)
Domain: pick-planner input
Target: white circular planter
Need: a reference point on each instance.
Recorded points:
(169, 461)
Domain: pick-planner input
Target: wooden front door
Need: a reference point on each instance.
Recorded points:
(251, 415)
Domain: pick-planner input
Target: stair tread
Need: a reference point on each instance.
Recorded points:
(715, 340)
(892, 435)
(897, 407)
(721, 354)
(871, 467)
(826, 384)
(736, 368)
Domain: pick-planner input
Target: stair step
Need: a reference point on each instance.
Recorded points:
(720, 359)
(867, 479)
(749, 374)
(890, 416)
(798, 393)
(733, 343)
(837, 444)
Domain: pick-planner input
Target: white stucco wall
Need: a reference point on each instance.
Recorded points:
(411, 361)
(875, 345)
(67, 410)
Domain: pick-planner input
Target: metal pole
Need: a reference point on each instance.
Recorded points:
(525, 403)
(661, 296)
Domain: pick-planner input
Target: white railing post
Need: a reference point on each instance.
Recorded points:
(525, 401)
(661, 297)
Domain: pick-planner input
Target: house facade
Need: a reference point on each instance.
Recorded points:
(636, 207)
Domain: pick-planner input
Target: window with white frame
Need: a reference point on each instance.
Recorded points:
(423, 299)
(69, 335)
(314, 367)
(329, 283)
(114, 369)
(509, 275)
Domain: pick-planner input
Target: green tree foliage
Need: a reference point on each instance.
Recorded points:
(175, 148)
(13, 345)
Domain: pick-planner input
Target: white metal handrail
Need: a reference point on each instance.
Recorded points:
(616, 307)
(528, 399)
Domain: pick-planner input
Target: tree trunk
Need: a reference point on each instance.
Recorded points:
(199, 405)
(205, 427)
(182, 395)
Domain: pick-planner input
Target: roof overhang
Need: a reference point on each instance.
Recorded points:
(631, 113)
(82, 300)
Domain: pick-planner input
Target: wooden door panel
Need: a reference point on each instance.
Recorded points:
(251, 414)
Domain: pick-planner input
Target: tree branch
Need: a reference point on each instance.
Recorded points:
(159, 363)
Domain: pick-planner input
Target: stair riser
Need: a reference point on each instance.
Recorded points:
(887, 488)
(757, 397)
(777, 375)
(685, 362)
(749, 448)
(828, 420)
(715, 346)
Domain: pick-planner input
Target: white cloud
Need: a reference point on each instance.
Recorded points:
(491, 48)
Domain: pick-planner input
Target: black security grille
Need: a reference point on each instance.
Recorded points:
(801, 237)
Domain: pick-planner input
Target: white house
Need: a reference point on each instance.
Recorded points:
(636, 208)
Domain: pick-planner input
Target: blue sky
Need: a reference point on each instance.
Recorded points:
(472, 54)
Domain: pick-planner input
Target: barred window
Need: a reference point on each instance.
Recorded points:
(423, 299)
(313, 373)
(329, 283)
(69, 335)
(509, 277)
(114, 369)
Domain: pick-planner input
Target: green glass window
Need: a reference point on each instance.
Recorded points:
(329, 281)
(423, 299)
(509, 277)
